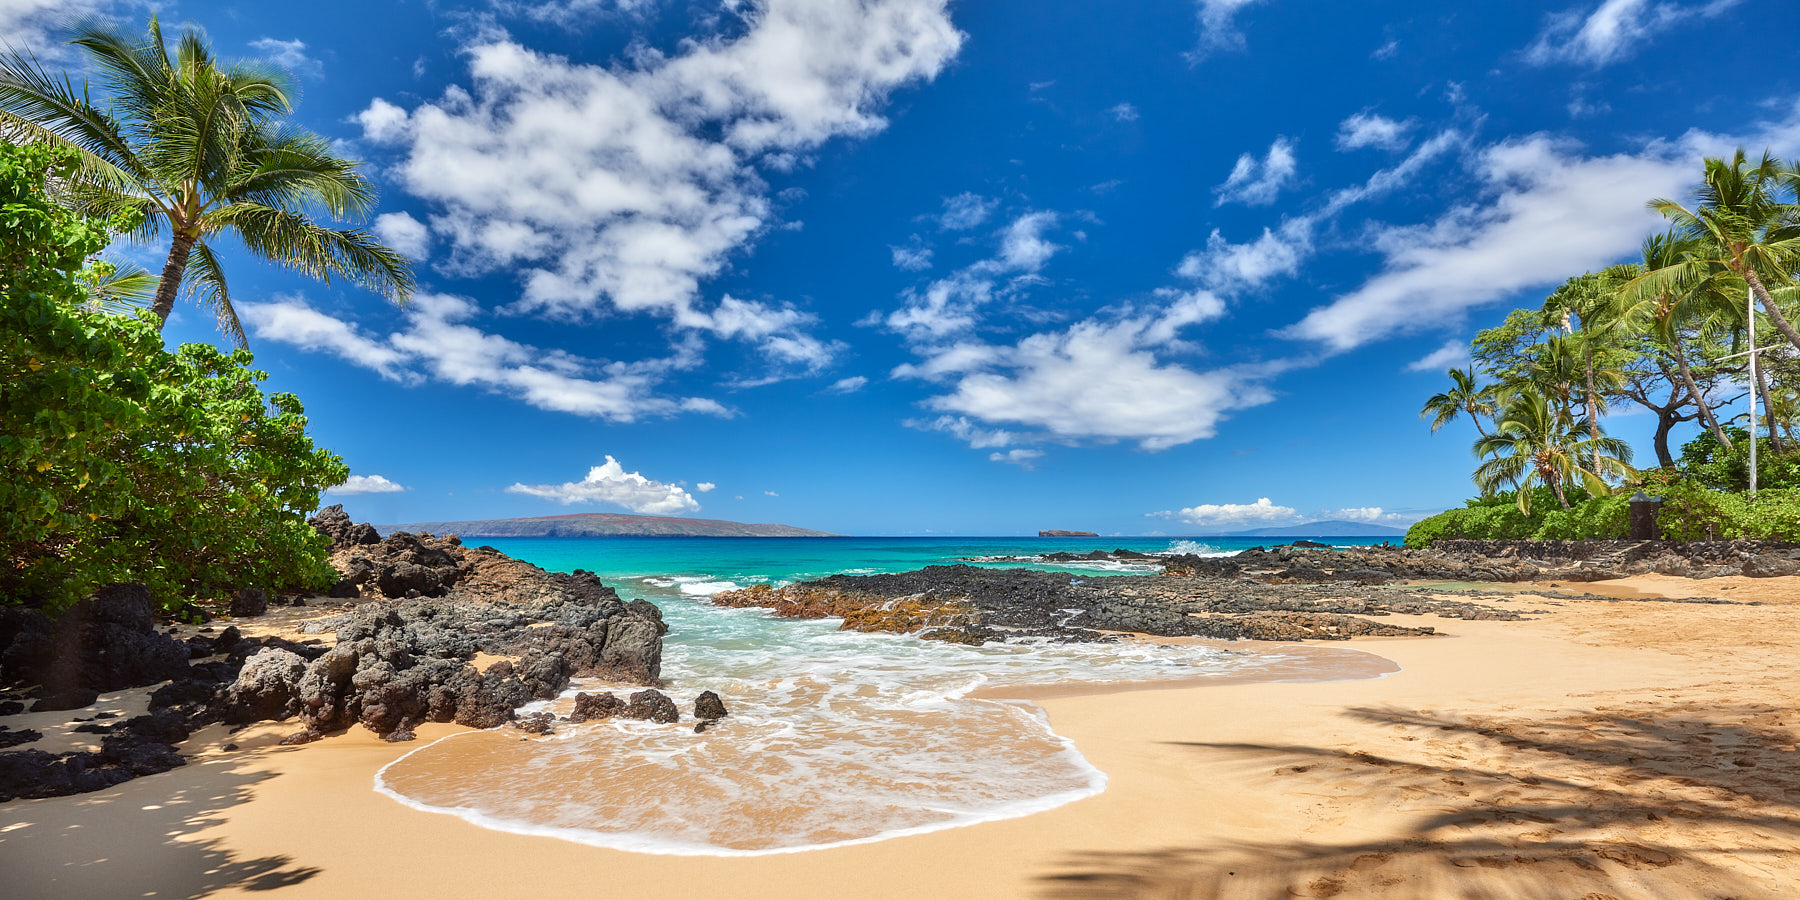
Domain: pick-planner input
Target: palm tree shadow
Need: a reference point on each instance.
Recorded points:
(135, 840)
(1637, 800)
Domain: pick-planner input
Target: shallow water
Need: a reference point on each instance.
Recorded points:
(834, 737)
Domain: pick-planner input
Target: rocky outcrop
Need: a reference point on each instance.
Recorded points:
(1499, 561)
(334, 523)
(971, 605)
(1060, 533)
(107, 642)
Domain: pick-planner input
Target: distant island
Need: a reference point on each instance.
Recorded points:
(1331, 527)
(605, 525)
(1055, 533)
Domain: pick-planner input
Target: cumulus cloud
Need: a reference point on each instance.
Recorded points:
(1225, 266)
(438, 342)
(1262, 512)
(1096, 381)
(366, 484)
(610, 483)
(965, 211)
(705, 486)
(1454, 354)
(1366, 129)
(1218, 26)
(574, 13)
(1613, 30)
(624, 187)
(37, 25)
(1254, 182)
(290, 55)
(963, 429)
(404, 233)
(770, 494)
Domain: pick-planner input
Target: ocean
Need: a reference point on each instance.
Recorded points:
(834, 737)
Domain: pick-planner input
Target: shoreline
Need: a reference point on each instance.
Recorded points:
(1315, 789)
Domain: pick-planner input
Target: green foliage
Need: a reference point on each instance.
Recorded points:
(1729, 469)
(120, 460)
(1600, 518)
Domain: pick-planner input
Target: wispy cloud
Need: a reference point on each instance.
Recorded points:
(1254, 182)
(1614, 30)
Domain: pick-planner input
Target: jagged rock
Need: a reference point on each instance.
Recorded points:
(633, 650)
(344, 589)
(107, 642)
(67, 698)
(536, 723)
(408, 579)
(11, 708)
(301, 737)
(334, 523)
(709, 706)
(594, 707)
(652, 705)
(266, 688)
(249, 602)
(11, 738)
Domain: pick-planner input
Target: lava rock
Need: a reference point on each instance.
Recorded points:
(536, 723)
(268, 687)
(594, 707)
(651, 705)
(249, 602)
(107, 642)
(709, 706)
(334, 523)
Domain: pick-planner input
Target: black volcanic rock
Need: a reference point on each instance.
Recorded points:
(336, 524)
(652, 705)
(107, 642)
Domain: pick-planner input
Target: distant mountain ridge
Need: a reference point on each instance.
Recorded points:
(1327, 528)
(604, 525)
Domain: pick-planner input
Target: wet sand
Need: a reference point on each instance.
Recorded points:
(1621, 749)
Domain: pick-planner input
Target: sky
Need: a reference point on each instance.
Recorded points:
(920, 267)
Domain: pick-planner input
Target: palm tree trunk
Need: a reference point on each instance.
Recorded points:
(172, 272)
(1687, 378)
(1593, 406)
(1556, 486)
(1768, 304)
(1762, 385)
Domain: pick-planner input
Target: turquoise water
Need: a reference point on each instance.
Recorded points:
(834, 737)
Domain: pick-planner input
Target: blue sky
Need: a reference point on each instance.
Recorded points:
(907, 266)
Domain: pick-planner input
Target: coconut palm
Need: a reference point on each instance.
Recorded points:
(1668, 311)
(198, 148)
(1739, 226)
(1465, 397)
(1592, 299)
(1535, 442)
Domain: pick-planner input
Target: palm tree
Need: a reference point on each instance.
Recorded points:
(185, 143)
(1593, 299)
(1668, 310)
(1739, 225)
(1534, 441)
(1463, 398)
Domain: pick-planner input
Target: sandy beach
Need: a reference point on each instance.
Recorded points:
(1624, 749)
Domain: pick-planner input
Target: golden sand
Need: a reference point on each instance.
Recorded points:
(1621, 749)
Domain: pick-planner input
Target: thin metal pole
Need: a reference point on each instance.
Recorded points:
(1750, 317)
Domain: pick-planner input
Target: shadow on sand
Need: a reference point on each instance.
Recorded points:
(135, 840)
(1632, 800)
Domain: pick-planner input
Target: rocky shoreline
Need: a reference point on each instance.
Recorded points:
(1497, 561)
(418, 611)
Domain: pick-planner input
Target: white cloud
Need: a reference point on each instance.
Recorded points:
(404, 233)
(1218, 28)
(366, 484)
(1215, 514)
(290, 55)
(770, 494)
(1096, 381)
(1546, 212)
(912, 259)
(37, 26)
(1257, 183)
(1225, 266)
(625, 186)
(291, 321)
(437, 342)
(1019, 456)
(965, 211)
(962, 429)
(705, 486)
(1124, 112)
(1386, 51)
(610, 483)
(1613, 30)
(848, 385)
(1454, 354)
(1366, 129)
(951, 304)
(573, 14)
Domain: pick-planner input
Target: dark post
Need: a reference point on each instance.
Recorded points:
(1643, 517)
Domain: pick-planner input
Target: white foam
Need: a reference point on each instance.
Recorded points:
(698, 588)
(1196, 548)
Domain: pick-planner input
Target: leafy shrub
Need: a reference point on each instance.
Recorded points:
(1705, 460)
(120, 460)
(1598, 518)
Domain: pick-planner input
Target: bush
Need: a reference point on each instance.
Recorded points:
(1705, 460)
(1599, 518)
(121, 461)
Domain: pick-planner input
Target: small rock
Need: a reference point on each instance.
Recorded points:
(709, 706)
(595, 707)
(249, 602)
(535, 723)
(652, 705)
(301, 737)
